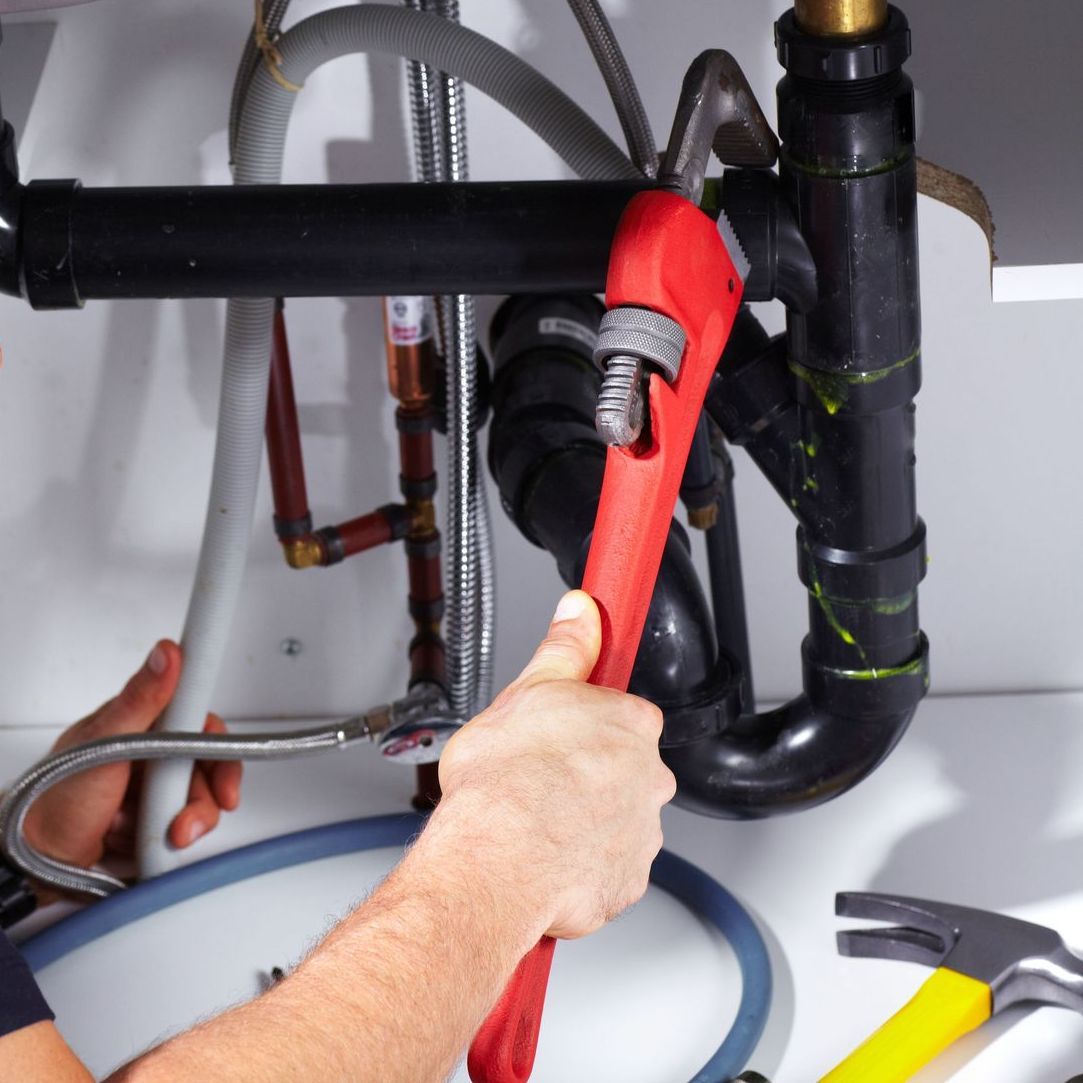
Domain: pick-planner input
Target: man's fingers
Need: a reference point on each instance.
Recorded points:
(199, 816)
(216, 786)
(570, 648)
(224, 776)
(120, 838)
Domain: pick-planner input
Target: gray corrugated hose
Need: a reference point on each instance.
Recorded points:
(258, 159)
(461, 53)
(274, 11)
(618, 80)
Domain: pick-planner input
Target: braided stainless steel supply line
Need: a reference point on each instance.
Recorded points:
(460, 345)
(486, 653)
(618, 80)
(144, 746)
(439, 124)
(423, 83)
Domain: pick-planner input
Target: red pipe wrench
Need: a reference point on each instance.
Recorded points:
(670, 258)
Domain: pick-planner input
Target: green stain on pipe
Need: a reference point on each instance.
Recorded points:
(890, 607)
(833, 388)
(843, 173)
(835, 624)
(908, 669)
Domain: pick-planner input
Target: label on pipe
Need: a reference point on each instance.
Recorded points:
(409, 320)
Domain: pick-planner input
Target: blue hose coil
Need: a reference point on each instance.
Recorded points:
(681, 879)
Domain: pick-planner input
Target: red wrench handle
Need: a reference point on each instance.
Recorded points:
(667, 256)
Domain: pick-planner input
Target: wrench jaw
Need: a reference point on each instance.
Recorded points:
(718, 111)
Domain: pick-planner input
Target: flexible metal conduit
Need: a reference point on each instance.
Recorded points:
(258, 159)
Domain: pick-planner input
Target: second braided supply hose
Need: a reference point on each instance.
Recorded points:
(619, 82)
(258, 157)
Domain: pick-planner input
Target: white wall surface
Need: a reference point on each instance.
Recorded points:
(107, 415)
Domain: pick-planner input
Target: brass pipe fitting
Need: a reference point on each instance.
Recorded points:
(303, 552)
(840, 18)
(422, 518)
(703, 518)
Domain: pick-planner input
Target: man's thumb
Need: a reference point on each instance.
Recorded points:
(570, 648)
(148, 690)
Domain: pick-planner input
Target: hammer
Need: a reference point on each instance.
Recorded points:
(984, 963)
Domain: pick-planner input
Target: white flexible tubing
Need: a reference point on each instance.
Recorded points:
(242, 413)
(242, 407)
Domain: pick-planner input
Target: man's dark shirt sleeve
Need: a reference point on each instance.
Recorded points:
(21, 1002)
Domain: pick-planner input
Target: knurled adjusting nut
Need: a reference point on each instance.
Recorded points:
(638, 332)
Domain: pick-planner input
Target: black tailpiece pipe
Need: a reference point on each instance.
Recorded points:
(828, 415)
(726, 578)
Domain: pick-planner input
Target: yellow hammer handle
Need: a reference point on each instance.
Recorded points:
(945, 1008)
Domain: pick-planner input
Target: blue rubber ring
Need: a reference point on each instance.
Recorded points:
(699, 892)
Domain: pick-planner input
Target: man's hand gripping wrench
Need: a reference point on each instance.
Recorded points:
(674, 286)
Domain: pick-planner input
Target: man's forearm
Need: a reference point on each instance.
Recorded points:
(395, 993)
(38, 1054)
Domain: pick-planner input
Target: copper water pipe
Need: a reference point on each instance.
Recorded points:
(411, 364)
(302, 546)
(840, 18)
(287, 466)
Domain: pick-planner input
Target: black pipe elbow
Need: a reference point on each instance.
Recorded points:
(788, 760)
(782, 266)
(807, 752)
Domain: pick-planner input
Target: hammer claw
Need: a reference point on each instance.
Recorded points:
(898, 942)
(917, 914)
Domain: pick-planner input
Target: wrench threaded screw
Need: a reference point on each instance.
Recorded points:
(619, 418)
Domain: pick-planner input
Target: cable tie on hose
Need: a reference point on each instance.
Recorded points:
(272, 57)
